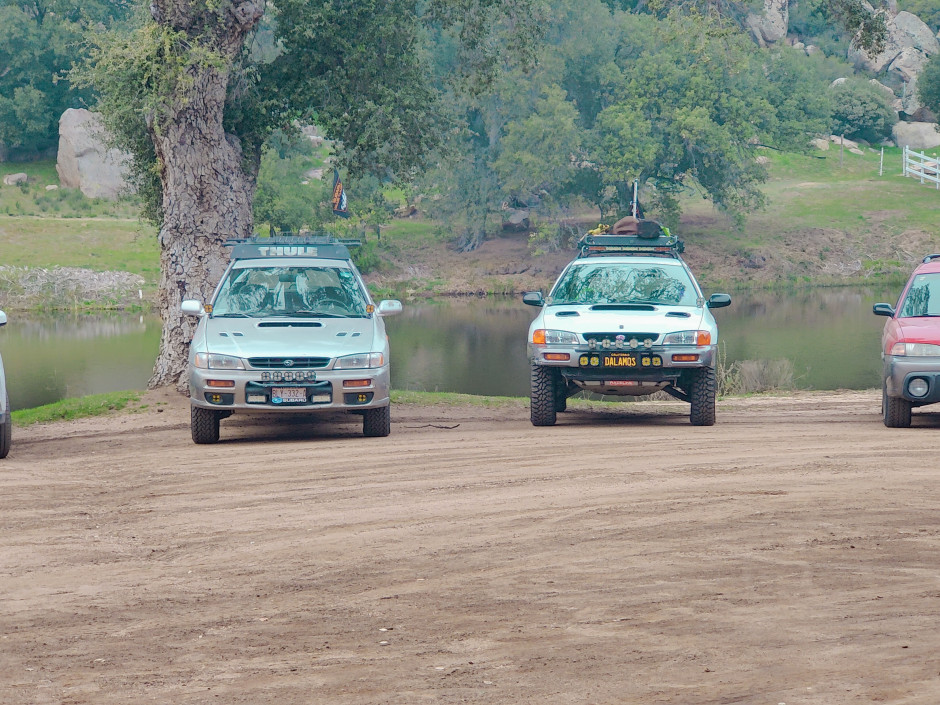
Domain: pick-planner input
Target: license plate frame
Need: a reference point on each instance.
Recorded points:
(621, 360)
(288, 395)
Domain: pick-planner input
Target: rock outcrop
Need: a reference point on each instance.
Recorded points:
(84, 160)
(916, 135)
(771, 25)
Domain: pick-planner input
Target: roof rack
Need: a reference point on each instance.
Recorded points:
(928, 258)
(326, 246)
(662, 245)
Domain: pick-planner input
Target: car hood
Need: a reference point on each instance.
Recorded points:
(606, 318)
(919, 330)
(288, 337)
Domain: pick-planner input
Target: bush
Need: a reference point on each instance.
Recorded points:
(861, 111)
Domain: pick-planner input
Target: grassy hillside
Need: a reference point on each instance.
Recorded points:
(831, 219)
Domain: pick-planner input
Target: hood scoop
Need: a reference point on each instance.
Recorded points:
(678, 314)
(290, 324)
(623, 307)
(561, 314)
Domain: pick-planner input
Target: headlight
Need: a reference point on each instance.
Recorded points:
(210, 361)
(915, 349)
(554, 337)
(688, 337)
(360, 361)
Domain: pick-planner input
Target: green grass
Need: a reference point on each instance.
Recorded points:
(453, 399)
(76, 408)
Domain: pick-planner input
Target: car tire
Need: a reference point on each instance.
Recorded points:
(204, 424)
(6, 432)
(542, 398)
(896, 410)
(702, 391)
(561, 394)
(377, 423)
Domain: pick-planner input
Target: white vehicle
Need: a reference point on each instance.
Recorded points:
(6, 423)
(626, 318)
(290, 328)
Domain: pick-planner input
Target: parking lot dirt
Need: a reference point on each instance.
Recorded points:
(788, 554)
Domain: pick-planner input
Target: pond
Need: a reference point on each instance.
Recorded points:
(473, 346)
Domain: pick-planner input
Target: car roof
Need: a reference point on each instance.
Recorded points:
(929, 267)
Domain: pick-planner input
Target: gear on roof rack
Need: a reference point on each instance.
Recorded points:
(648, 238)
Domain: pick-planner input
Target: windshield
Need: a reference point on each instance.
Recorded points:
(923, 297)
(290, 291)
(601, 282)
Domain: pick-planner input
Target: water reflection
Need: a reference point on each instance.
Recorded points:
(473, 346)
(52, 357)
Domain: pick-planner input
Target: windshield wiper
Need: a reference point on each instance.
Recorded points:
(317, 314)
(231, 315)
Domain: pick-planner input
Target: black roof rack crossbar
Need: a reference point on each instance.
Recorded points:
(930, 257)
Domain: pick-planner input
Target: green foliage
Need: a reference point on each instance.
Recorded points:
(861, 111)
(75, 408)
(685, 109)
(928, 84)
(39, 42)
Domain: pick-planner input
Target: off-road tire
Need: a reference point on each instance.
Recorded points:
(6, 432)
(542, 398)
(561, 394)
(377, 423)
(702, 391)
(896, 410)
(204, 424)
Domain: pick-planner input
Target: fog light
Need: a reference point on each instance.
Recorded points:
(918, 387)
(685, 358)
(559, 357)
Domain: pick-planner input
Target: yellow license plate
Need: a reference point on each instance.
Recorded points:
(619, 360)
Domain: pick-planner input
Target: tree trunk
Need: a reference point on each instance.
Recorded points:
(207, 189)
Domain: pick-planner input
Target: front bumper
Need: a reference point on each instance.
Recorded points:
(248, 391)
(656, 363)
(900, 370)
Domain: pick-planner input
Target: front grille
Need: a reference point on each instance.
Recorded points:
(287, 363)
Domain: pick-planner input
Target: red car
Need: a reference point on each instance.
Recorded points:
(910, 346)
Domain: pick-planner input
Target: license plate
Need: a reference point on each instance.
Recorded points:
(288, 395)
(621, 361)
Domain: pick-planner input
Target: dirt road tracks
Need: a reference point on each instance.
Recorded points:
(787, 555)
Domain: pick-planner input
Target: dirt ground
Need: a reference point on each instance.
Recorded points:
(787, 555)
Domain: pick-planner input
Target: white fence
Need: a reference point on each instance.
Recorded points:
(919, 166)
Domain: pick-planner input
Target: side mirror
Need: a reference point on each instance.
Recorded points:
(883, 310)
(191, 307)
(3, 318)
(719, 300)
(388, 307)
(533, 298)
